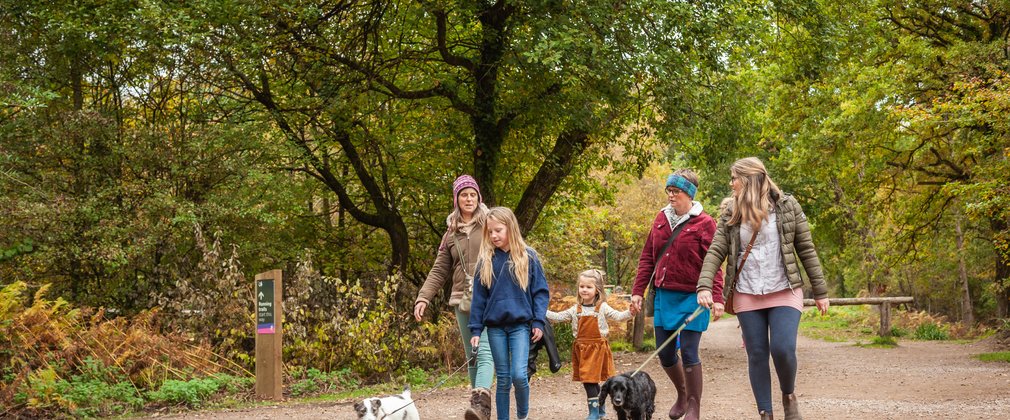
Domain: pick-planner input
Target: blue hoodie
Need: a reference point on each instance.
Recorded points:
(504, 303)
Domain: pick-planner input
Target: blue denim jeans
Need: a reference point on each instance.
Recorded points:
(481, 372)
(770, 331)
(510, 349)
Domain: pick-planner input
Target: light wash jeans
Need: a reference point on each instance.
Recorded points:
(481, 372)
(510, 347)
(770, 331)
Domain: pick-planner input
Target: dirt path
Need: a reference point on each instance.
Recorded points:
(836, 381)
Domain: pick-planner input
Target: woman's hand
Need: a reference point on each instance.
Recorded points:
(705, 299)
(419, 310)
(475, 341)
(636, 304)
(537, 334)
(717, 311)
(822, 305)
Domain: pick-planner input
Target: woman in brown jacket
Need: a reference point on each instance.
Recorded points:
(456, 260)
(767, 293)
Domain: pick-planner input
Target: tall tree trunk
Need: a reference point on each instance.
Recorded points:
(77, 80)
(489, 131)
(1002, 277)
(342, 232)
(967, 312)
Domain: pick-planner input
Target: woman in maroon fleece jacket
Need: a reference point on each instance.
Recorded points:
(674, 274)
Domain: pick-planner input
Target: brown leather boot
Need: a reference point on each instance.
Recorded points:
(480, 405)
(694, 386)
(791, 407)
(676, 374)
(766, 415)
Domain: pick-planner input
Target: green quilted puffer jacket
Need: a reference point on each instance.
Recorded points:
(794, 234)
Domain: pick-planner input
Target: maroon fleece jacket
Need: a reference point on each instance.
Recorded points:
(680, 266)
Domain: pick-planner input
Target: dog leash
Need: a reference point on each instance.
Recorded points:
(432, 390)
(672, 336)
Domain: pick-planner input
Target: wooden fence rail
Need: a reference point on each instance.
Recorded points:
(883, 302)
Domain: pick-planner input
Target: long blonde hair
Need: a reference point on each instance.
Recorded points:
(757, 190)
(519, 260)
(597, 277)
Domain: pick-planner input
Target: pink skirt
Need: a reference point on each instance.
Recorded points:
(743, 302)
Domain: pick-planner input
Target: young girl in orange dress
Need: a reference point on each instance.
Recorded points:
(592, 361)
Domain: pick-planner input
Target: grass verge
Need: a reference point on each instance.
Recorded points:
(1000, 356)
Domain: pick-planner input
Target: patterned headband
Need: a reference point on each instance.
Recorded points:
(682, 184)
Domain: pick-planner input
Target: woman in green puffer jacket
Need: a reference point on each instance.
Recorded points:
(767, 292)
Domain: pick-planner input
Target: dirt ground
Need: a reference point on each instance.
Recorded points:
(835, 381)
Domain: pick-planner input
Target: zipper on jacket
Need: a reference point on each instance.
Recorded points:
(782, 256)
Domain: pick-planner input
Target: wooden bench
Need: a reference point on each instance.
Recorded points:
(884, 303)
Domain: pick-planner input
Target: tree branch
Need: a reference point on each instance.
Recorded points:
(263, 96)
(556, 166)
(455, 60)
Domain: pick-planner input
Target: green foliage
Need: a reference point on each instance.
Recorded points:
(648, 344)
(843, 323)
(930, 332)
(56, 358)
(96, 397)
(882, 342)
(621, 346)
(415, 376)
(313, 381)
(564, 339)
(346, 334)
(884, 119)
(1000, 356)
(191, 393)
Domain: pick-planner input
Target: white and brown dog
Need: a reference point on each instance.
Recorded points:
(393, 407)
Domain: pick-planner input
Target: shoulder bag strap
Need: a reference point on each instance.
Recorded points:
(746, 252)
(673, 235)
(462, 255)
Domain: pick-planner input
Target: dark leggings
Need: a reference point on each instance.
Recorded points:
(770, 331)
(592, 389)
(689, 341)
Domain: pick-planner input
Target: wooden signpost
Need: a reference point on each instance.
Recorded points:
(269, 317)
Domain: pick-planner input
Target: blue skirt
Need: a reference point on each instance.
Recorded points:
(673, 307)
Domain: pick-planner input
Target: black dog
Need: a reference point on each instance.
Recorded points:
(634, 396)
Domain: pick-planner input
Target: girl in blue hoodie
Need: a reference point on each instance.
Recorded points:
(510, 299)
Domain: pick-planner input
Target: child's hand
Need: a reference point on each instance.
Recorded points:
(475, 341)
(636, 304)
(537, 334)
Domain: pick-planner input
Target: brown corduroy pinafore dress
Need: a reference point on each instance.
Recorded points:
(592, 360)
